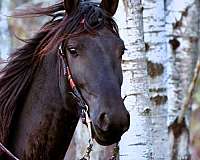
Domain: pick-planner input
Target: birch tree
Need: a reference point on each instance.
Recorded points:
(10, 26)
(137, 142)
(156, 54)
(182, 36)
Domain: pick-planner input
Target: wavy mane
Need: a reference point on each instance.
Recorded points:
(17, 75)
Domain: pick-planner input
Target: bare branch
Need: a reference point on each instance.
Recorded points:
(190, 92)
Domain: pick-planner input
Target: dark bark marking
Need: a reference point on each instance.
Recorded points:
(158, 100)
(174, 43)
(177, 25)
(154, 69)
(146, 47)
(178, 129)
(147, 111)
(185, 13)
(137, 144)
(142, 9)
(157, 90)
(193, 39)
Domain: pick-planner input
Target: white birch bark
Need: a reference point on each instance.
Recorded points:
(136, 144)
(182, 37)
(5, 41)
(155, 47)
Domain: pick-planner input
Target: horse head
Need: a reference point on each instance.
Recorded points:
(94, 54)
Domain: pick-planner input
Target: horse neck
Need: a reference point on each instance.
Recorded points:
(45, 125)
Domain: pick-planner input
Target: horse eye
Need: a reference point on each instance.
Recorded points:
(73, 51)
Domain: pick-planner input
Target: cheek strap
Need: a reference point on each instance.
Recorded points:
(81, 102)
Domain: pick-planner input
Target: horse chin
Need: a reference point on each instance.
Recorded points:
(105, 140)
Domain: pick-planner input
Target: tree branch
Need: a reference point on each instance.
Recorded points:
(190, 92)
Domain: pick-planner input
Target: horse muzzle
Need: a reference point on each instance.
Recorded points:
(108, 128)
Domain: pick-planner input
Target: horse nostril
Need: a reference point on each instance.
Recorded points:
(104, 122)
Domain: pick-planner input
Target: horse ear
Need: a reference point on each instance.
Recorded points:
(109, 6)
(71, 5)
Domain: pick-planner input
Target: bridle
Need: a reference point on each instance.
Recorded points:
(83, 107)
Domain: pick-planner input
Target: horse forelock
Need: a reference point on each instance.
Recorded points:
(16, 76)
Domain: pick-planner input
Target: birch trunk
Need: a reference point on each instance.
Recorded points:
(136, 144)
(155, 47)
(182, 37)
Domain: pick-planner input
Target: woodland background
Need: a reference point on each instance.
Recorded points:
(162, 38)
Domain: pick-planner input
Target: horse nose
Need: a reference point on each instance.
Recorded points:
(120, 123)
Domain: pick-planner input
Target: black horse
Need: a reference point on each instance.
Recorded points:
(38, 113)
